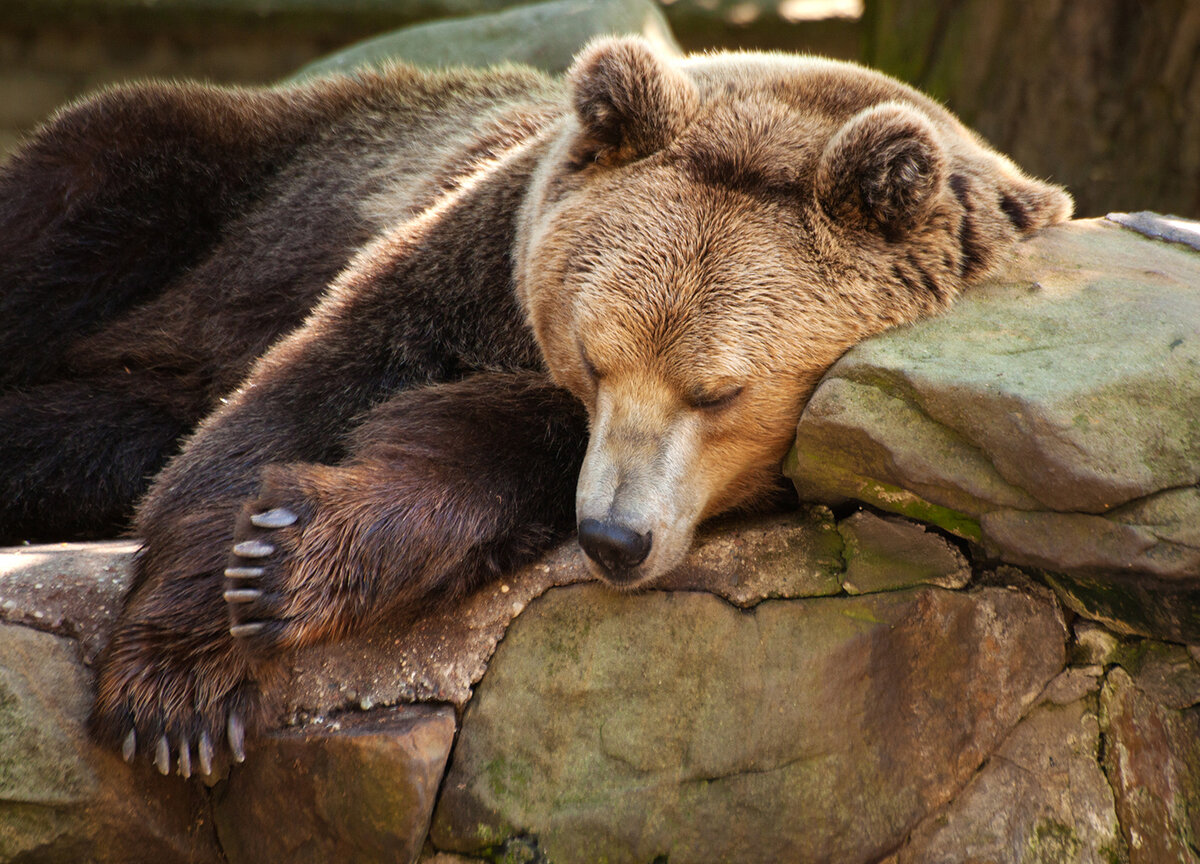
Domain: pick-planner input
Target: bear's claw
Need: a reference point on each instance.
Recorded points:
(235, 731)
(246, 631)
(204, 750)
(129, 746)
(185, 758)
(253, 549)
(279, 517)
(162, 755)
(256, 593)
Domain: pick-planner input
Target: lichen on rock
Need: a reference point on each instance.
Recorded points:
(1050, 416)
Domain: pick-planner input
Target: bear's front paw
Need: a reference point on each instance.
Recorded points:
(185, 713)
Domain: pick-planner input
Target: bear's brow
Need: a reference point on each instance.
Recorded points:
(771, 153)
(744, 169)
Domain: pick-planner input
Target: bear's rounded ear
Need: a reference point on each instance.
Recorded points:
(630, 100)
(885, 167)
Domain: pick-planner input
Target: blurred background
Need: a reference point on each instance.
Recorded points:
(1101, 95)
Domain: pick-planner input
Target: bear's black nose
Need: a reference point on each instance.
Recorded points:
(616, 548)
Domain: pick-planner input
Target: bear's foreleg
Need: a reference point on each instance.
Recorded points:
(426, 303)
(442, 487)
(446, 487)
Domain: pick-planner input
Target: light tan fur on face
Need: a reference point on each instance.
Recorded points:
(705, 239)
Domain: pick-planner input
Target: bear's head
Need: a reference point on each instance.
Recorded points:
(703, 238)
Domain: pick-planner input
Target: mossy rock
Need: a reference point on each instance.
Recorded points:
(1050, 416)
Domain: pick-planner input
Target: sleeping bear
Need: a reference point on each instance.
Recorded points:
(378, 338)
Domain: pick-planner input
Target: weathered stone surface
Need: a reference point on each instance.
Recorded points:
(1169, 228)
(62, 799)
(1051, 415)
(362, 789)
(543, 35)
(75, 589)
(1072, 684)
(1041, 797)
(448, 858)
(623, 728)
(1165, 673)
(1152, 756)
(746, 561)
(1094, 645)
(1132, 606)
(440, 657)
(887, 554)
(72, 589)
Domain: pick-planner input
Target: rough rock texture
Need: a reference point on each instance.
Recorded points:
(883, 554)
(1169, 228)
(542, 35)
(1152, 755)
(362, 789)
(442, 656)
(1042, 796)
(829, 727)
(744, 711)
(1051, 416)
(69, 588)
(62, 799)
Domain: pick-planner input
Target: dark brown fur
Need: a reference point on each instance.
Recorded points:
(399, 303)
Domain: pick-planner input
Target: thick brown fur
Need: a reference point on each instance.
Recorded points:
(405, 313)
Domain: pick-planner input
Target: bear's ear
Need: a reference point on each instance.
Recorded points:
(884, 167)
(630, 100)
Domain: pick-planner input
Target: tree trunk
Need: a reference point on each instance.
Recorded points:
(1101, 95)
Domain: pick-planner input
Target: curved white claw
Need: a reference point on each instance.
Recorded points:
(204, 750)
(241, 631)
(162, 756)
(185, 759)
(237, 737)
(243, 572)
(280, 517)
(129, 746)
(253, 549)
(244, 595)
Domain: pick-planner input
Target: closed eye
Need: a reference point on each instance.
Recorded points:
(588, 366)
(715, 401)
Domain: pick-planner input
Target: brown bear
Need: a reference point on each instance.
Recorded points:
(412, 311)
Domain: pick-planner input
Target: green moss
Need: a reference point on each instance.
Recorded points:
(1052, 842)
(1114, 852)
(1134, 655)
(830, 484)
(817, 550)
(861, 613)
(1131, 608)
(507, 777)
(905, 503)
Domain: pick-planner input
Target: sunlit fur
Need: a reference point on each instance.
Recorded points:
(737, 224)
(409, 310)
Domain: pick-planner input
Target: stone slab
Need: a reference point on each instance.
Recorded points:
(360, 788)
(674, 726)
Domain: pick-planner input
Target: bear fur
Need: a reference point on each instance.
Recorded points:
(393, 334)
